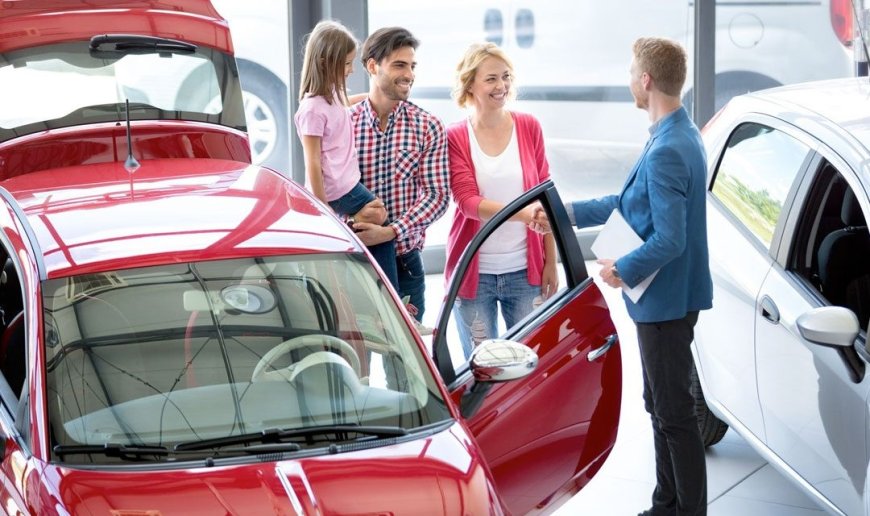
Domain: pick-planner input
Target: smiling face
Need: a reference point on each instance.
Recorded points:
(491, 86)
(348, 63)
(394, 75)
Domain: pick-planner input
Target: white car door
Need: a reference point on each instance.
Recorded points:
(813, 397)
(743, 224)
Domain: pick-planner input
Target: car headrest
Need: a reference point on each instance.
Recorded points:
(850, 213)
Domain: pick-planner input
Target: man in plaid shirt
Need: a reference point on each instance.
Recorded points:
(402, 156)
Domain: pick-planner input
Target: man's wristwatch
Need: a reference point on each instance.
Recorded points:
(615, 272)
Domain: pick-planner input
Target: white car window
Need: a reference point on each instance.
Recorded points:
(755, 174)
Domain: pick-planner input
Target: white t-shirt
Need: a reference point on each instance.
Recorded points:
(500, 178)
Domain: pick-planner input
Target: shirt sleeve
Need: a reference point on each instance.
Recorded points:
(540, 153)
(463, 182)
(310, 121)
(594, 211)
(433, 183)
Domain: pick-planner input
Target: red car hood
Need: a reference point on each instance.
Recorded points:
(92, 218)
(440, 474)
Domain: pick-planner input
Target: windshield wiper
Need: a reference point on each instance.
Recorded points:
(137, 44)
(276, 435)
(123, 451)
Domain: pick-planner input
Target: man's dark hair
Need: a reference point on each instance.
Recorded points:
(384, 42)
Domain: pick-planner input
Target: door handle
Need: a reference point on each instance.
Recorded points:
(597, 353)
(769, 310)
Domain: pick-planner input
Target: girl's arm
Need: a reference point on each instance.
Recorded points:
(313, 168)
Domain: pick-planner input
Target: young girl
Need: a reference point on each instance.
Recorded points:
(324, 127)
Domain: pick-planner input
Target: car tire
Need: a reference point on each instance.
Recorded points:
(712, 428)
(265, 97)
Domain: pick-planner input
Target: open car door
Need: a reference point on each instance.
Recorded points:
(544, 435)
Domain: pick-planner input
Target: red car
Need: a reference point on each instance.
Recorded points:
(182, 332)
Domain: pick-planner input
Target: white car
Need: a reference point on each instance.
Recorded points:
(782, 356)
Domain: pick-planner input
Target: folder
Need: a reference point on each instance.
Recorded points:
(615, 240)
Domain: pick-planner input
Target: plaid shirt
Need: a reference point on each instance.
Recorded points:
(405, 166)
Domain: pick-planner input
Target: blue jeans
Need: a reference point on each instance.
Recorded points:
(353, 201)
(385, 253)
(477, 319)
(412, 279)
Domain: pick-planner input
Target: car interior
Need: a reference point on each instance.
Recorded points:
(833, 232)
(207, 350)
(12, 348)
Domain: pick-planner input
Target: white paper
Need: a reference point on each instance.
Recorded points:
(616, 240)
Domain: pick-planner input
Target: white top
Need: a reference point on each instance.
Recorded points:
(500, 178)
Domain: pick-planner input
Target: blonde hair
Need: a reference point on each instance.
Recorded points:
(467, 69)
(664, 60)
(326, 51)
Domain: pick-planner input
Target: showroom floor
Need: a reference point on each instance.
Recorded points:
(738, 480)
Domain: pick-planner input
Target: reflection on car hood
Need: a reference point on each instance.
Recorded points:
(440, 474)
(88, 218)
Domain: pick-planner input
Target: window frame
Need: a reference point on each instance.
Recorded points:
(781, 126)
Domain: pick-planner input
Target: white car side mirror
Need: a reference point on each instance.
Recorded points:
(829, 326)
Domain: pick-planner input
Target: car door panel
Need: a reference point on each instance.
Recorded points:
(559, 422)
(812, 410)
(729, 372)
(546, 434)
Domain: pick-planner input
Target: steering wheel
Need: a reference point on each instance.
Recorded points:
(319, 341)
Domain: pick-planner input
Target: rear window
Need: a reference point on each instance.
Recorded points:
(70, 84)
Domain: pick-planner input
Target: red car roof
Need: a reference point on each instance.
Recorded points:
(29, 23)
(93, 218)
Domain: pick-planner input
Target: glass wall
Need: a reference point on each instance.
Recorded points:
(571, 62)
(572, 58)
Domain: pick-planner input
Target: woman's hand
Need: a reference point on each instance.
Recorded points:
(539, 222)
(549, 280)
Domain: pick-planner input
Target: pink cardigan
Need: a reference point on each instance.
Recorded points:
(466, 195)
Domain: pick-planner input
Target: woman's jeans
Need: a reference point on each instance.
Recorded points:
(477, 319)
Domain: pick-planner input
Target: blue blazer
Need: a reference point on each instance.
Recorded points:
(663, 200)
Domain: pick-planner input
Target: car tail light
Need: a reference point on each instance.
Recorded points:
(842, 20)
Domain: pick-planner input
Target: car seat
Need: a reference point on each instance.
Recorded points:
(843, 259)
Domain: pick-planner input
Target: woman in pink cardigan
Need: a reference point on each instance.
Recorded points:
(495, 156)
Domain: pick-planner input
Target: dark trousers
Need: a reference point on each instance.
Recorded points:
(385, 255)
(681, 468)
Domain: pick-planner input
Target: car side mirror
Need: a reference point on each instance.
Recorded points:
(829, 326)
(500, 360)
(493, 361)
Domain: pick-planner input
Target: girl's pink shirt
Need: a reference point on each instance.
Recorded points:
(338, 157)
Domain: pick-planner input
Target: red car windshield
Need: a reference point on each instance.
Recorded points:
(198, 356)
